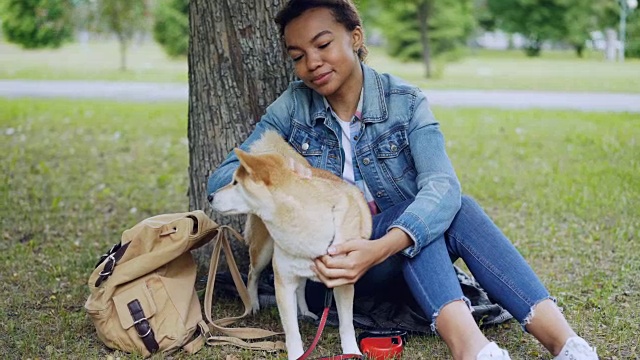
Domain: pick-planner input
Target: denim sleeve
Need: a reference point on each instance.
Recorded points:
(277, 117)
(439, 195)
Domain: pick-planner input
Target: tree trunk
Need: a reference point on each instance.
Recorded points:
(533, 47)
(122, 40)
(237, 67)
(424, 10)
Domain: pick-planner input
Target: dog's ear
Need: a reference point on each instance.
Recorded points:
(245, 159)
(253, 165)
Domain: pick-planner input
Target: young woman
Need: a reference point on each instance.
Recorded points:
(378, 133)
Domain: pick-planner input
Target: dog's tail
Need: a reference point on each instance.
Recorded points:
(366, 222)
(255, 231)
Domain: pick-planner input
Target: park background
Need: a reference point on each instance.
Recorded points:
(562, 183)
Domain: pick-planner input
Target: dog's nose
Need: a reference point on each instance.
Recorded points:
(210, 197)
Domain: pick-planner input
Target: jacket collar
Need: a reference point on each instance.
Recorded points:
(374, 108)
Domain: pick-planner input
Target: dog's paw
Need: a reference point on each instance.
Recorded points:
(255, 306)
(349, 344)
(351, 350)
(308, 314)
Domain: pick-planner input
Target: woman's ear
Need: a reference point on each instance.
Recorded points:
(357, 38)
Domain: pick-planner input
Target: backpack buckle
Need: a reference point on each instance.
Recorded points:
(110, 264)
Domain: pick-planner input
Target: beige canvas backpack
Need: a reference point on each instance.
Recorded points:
(142, 292)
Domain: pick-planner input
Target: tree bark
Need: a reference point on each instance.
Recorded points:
(237, 67)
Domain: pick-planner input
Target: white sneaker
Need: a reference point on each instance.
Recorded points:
(576, 348)
(491, 351)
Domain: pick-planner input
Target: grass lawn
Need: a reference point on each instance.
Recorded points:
(562, 185)
(554, 71)
(92, 61)
(511, 70)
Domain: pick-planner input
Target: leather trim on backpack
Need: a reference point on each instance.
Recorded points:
(142, 326)
(112, 257)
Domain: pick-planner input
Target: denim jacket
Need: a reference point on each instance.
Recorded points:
(401, 151)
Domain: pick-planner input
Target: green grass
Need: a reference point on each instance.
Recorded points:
(73, 175)
(96, 60)
(553, 71)
(511, 70)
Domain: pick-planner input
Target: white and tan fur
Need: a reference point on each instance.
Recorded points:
(293, 220)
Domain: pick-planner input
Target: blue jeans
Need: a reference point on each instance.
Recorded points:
(490, 256)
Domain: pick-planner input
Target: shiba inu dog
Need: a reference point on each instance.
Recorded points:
(293, 220)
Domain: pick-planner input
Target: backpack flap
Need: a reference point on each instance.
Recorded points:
(135, 307)
(158, 240)
(191, 230)
(203, 229)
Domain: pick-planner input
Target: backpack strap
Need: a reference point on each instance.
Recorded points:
(233, 336)
(112, 257)
(197, 342)
(143, 328)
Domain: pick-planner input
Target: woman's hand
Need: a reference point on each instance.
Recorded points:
(346, 263)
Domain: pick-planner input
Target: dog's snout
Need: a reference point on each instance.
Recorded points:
(210, 197)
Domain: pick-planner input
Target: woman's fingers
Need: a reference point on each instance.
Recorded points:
(330, 270)
(346, 262)
(331, 277)
(348, 246)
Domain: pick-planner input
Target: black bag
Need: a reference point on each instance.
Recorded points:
(393, 309)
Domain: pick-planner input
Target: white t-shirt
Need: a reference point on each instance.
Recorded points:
(347, 172)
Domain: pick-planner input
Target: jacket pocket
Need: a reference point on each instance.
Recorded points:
(309, 144)
(394, 155)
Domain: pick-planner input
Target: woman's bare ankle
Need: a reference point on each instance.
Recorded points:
(471, 349)
(548, 325)
(458, 329)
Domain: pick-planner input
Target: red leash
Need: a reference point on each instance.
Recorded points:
(328, 299)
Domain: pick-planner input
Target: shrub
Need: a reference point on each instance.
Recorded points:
(36, 24)
(632, 48)
(171, 26)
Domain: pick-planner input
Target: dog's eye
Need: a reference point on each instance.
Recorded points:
(234, 182)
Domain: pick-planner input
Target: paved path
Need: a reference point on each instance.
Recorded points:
(508, 99)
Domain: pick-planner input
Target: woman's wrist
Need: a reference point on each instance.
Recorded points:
(393, 242)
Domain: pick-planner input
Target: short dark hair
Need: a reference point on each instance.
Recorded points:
(344, 11)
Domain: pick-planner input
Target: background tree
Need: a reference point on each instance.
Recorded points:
(485, 19)
(171, 26)
(580, 21)
(237, 67)
(37, 23)
(633, 35)
(423, 29)
(537, 20)
(124, 18)
(567, 21)
(582, 17)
